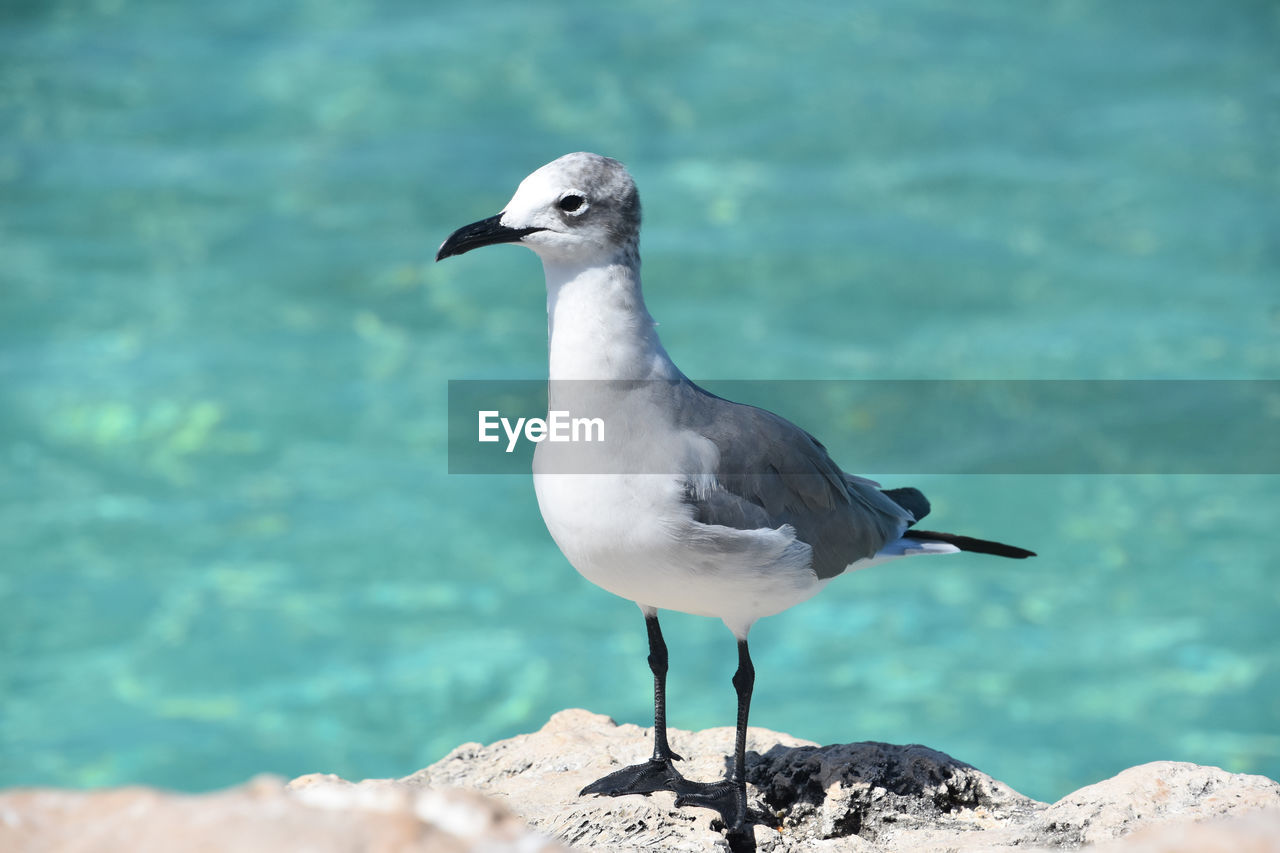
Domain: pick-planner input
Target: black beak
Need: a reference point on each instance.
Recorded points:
(486, 232)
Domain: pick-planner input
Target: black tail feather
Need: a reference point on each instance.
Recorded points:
(968, 543)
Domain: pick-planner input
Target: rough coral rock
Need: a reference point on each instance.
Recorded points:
(846, 797)
(520, 794)
(320, 814)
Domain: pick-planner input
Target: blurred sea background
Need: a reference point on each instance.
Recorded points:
(228, 539)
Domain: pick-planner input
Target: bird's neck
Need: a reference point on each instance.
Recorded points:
(597, 323)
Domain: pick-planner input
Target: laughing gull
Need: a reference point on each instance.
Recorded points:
(749, 516)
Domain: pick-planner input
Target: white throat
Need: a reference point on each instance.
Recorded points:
(597, 323)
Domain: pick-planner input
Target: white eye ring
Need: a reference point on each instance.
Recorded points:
(573, 203)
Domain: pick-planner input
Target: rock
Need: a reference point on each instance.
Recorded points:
(539, 775)
(1161, 792)
(848, 797)
(1256, 832)
(863, 797)
(855, 796)
(316, 814)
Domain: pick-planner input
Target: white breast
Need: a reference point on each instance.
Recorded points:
(633, 535)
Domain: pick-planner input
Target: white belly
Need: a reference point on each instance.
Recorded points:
(632, 535)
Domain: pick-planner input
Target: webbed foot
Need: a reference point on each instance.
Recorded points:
(653, 775)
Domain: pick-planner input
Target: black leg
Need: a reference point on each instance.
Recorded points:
(658, 665)
(743, 681)
(656, 774)
(729, 798)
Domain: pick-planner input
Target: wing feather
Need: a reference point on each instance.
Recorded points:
(771, 472)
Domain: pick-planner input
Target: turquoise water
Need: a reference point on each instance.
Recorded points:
(229, 543)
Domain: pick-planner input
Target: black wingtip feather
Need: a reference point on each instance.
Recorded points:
(968, 543)
(910, 499)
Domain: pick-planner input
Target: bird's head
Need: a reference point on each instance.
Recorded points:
(580, 208)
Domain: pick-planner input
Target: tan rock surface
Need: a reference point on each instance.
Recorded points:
(864, 797)
(1162, 793)
(324, 815)
(846, 797)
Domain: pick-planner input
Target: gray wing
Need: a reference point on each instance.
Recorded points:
(772, 473)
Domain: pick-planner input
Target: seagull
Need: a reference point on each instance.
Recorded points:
(709, 507)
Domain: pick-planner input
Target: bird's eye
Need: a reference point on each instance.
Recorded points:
(571, 203)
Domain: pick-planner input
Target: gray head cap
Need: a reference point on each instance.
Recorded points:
(608, 188)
